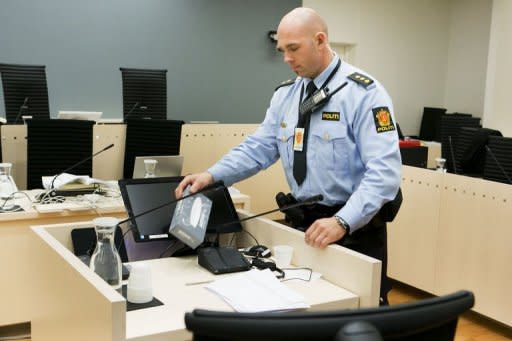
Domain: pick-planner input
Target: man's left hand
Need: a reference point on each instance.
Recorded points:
(324, 232)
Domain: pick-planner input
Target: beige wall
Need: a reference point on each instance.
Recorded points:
(499, 69)
(417, 49)
(468, 44)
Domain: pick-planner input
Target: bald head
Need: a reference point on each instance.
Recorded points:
(305, 19)
(302, 38)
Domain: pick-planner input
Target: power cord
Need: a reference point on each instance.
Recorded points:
(302, 279)
(245, 231)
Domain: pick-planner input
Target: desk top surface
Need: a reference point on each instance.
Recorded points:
(180, 284)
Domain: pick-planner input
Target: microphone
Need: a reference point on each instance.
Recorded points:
(80, 162)
(305, 202)
(498, 163)
(135, 106)
(23, 107)
(452, 154)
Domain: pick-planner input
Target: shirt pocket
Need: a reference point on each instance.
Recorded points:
(330, 150)
(285, 146)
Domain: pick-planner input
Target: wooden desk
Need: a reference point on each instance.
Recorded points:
(74, 302)
(17, 254)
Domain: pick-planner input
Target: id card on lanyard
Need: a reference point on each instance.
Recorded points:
(298, 140)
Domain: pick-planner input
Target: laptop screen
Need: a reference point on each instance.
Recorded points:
(141, 195)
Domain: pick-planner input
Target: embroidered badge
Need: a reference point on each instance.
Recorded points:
(361, 79)
(330, 116)
(383, 119)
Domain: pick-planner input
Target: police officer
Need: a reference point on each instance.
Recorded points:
(347, 150)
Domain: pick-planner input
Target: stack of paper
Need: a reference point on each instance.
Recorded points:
(256, 291)
(73, 181)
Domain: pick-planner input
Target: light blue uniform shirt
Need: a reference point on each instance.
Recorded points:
(348, 161)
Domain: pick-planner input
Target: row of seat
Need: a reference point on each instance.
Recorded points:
(26, 92)
(469, 148)
(55, 145)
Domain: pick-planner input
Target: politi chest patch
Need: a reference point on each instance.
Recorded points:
(330, 116)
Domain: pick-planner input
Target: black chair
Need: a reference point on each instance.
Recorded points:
(147, 137)
(54, 145)
(429, 319)
(430, 129)
(498, 161)
(144, 93)
(25, 91)
(470, 151)
(450, 129)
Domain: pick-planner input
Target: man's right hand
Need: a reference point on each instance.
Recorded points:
(196, 182)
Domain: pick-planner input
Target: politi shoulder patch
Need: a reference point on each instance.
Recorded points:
(383, 119)
(361, 79)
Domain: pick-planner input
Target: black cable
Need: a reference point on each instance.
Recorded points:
(122, 237)
(249, 233)
(302, 279)
(11, 196)
(174, 242)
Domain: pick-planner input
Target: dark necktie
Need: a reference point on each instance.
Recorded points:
(299, 157)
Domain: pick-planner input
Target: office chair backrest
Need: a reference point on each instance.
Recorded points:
(430, 129)
(148, 137)
(470, 151)
(24, 82)
(54, 145)
(500, 169)
(430, 319)
(450, 129)
(144, 93)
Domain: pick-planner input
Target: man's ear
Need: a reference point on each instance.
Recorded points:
(321, 39)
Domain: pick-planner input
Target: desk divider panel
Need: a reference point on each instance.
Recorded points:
(411, 236)
(203, 144)
(109, 164)
(69, 293)
(343, 267)
(474, 239)
(462, 229)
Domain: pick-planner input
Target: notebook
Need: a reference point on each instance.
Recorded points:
(168, 165)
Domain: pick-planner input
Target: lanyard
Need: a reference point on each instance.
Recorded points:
(333, 72)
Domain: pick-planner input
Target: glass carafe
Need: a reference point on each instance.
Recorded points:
(105, 260)
(7, 186)
(150, 168)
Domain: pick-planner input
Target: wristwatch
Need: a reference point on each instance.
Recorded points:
(343, 224)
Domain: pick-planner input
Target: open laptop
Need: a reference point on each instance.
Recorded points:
(168, 165)
(80, 115)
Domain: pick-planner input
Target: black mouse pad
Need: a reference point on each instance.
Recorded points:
(136, 306)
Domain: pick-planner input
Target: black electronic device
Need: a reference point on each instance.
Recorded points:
(318, 99)
(257, 251)
(141, 195)
(429, 319)
(219, 260)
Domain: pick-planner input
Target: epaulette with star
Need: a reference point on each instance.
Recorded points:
(365, 81)
(285, 83)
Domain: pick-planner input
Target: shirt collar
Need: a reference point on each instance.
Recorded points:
(320, 79)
